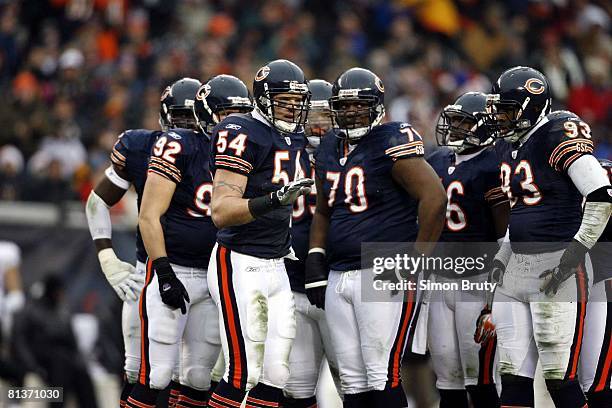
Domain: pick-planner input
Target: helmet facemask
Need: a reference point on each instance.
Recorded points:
(509, 120)
(183, 117)
(461, 131)
(319, 123)
(287, 110)
(356, 115)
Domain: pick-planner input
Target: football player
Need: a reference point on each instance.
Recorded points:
(256, 181)
(372, 182)
(312, 341)
(477, 212)
(547, 169)
(178, 234)
(594, 370)
(129, 160)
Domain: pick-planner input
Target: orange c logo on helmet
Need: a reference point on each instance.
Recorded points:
(203, 92)
(262, 73)
(379, 84)
(535, 86)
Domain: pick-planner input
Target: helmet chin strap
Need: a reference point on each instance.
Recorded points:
(358, 133)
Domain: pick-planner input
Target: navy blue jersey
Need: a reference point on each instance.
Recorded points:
(246, 145)
(601, 254)
(130, 155)
(473, 187)
(366, 204)
(546, 206)
(301, 218)
(183, 157)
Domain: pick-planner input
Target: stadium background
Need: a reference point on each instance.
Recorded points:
(76, 73)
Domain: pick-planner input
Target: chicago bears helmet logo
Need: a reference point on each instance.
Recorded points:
(262, 73)
(379, 84)
(165, 94)
(535, 86)
(203, 92)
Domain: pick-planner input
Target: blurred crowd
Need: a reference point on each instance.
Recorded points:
(75, 73)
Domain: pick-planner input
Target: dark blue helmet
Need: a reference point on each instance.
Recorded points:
(177, 101)
(219, 97)
(466, 123)
(522, 98)
(319, 115)
(357, 102)
(287, 114)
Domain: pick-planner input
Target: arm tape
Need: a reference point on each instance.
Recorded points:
(594, 221)
(98, 217)
(587, 175)
(505, 250)
(114, 178)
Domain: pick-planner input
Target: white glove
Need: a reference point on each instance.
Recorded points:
(290, 192)
(121, 275)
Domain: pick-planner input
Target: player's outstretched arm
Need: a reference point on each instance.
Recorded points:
(121, 275)
(417, 177)
(230, 208)
(316, 265)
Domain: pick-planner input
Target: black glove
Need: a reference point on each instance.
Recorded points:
(568, 266)
(316, 274)
(171, 289)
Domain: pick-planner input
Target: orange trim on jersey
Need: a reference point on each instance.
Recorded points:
(555, 152)
(169, 173)
(400, 343)
(163, 174)
(582, 293)
(404, 146)
(489, 354)
(230, 166)
(234, 159)
(401, 153)
(231, 321)
(143, 323)
(119, 155)
(165, 165)
(605, 373)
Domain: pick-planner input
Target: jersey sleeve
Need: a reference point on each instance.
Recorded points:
(169, 156)
(569, 139)
(234, 149)
(403, 142)
(120, 152)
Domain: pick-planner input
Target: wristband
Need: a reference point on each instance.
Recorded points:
(317, 249)
(262, 205)
(162, 267)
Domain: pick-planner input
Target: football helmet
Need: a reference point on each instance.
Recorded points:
(357, 102)
(319, 114)
(176, 110)
(219, 97)
(466, 123)
(281, 95)
(522, 99)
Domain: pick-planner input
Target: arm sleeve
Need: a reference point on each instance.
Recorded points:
(404, 142)
(234, 149)
(570, 140)
(169, 157)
